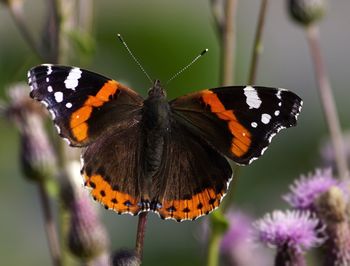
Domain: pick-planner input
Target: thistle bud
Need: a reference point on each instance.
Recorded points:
(332, 209)
(11, 2)
(37, 156)
(126, 258)
(87, 238)
(307, 12)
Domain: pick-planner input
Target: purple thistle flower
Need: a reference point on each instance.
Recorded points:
(236, 245)
(306, 190)
(295, 230)
(238, 232)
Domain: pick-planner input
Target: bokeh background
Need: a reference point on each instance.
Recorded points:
(165, 35)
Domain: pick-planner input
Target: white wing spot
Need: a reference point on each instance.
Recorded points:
(271, 136)
(45, 103)
(52, 113)
(47, 80)
(69, 105)
(263, 150)
(58, 129)
(252, 160)
(254, 124)
(253, 99)
(49, 89)
(72, 80)
(265, 118)
(278, 94)
(277, 113)
(58, 96)
(49, 70)
(81, 160)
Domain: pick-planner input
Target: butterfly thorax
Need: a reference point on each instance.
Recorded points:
(156, 123)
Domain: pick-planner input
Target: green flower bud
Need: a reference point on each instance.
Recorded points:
(307, 12)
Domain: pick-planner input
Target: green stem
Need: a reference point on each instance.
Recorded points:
(227, 35)
(54, 31)
(257, 50)
(327, 100)
(228, 43)
(213, 250)
(227, 63)
(16, 11)
(257, 46)
(50, 227)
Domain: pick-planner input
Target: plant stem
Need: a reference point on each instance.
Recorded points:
(49, 225)
(257, 47)
(227, 36)
(53, 31)
(228, 41)
(141, 229)
(327, 100)
(217, 12)
(16, 11)
(213, 250)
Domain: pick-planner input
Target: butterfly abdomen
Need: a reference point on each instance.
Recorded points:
(155, 123)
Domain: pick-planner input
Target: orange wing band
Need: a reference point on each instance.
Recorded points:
(241, 136)
(79, 117)
(111, 199)
(200, 204)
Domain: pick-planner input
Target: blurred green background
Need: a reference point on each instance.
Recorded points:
(165, 35)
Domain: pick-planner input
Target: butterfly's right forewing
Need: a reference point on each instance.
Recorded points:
(238, 121)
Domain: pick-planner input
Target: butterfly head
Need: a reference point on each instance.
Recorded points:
(156, 90)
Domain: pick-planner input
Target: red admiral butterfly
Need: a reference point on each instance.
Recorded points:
(154, 155)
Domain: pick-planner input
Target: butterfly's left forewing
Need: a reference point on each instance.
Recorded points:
(83, 104)
(238, 121)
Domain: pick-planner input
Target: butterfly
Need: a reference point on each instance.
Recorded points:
(169, 157)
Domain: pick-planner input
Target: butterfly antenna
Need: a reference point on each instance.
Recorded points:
(188, 65)
(133, 57)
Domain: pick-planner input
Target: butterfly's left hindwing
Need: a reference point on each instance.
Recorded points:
(112, 169)
(238, 121)
(75, 97)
